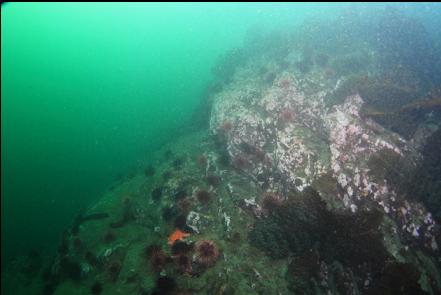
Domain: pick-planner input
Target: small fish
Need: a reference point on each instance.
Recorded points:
(177, 235)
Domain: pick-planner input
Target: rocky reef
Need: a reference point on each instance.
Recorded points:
(304, 181)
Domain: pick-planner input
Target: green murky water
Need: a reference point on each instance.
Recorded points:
(89, 90)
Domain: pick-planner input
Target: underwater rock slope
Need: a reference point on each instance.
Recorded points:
(284, 140)
(303, 183)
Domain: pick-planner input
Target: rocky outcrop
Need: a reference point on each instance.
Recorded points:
(284, 139)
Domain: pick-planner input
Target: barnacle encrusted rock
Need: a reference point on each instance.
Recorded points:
(284, 139)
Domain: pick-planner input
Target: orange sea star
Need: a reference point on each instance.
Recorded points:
(177, 235)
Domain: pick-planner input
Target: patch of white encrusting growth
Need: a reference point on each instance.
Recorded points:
(353, 208)
(385, 207)
(357, 178)
(255, 208)
(342, 179)
(194, 221)
(413, 229)
(227, 221)
(302, 140)
(433, 243)
(295, 160)
(85, 269)
(428, 218)
(105, 253)
(230, 189)
(211, 162)
(349, 191)
(352, 143)
(250, 202)
(108, 252)
(303, 185)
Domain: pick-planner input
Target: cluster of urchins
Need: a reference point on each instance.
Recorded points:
(184, 257)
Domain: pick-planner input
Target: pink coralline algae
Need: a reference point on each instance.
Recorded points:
(317, 141)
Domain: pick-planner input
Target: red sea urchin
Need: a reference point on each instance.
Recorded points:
(285, 83)
(207, 253)
(183, 263)
(96, 288)
(78, 244)
(287, 115)
(165, 285)
(240, 162)
(180, 247)
(261, 156)
(213, 180)
(113, 270)
(270, 201)
(226, 127)
(203, 196)
(91, 258)
(184, 205)
(109, 237)
(158, 259)
(202, 161)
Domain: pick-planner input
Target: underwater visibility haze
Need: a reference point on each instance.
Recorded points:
(221, 148)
